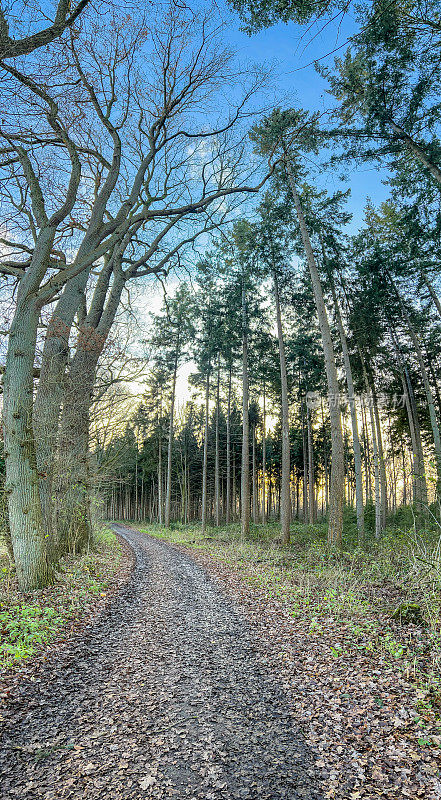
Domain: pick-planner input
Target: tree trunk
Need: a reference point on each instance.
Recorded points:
(419, 476)
(50, 392)
(417, 151)
(367, 457)
(170, 438)
(234, 487)
(285, 499)
(310, 468)
(28, 533)
(354, 421)
(381, 458)
(245, 477)
(205, 456)
(430, 403)
(335, 524)
(73, 481)
(216, 465)
(228, 476)
(264, 457)
(419, 472)
(378, 516)
(403, 455)
(160, 500)
(255, 493)
(434, 381)
(305, 468)
(432, 292)
(325, 459)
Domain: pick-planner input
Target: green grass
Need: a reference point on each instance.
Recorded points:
(28, 622)
(359, 588)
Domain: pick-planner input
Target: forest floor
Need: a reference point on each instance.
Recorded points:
(363, 687)
(34, 623)
(164, 695)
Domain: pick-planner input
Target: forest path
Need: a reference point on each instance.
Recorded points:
(164, 697)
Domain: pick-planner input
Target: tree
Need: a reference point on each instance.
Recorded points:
(117, 229)
(291, 132)
(173, 330)
(388, 88)
(274, 251)
(413, 17)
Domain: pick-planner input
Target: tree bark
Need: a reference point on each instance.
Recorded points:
(49, 396)
(381, 458)
(427, 388)
(418, 468)
(28, 534)
(325, 459)
(419, 472)
(73, 510)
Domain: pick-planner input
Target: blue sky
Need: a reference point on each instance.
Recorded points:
(290, 49)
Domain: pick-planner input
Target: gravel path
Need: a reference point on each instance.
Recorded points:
(164, 696)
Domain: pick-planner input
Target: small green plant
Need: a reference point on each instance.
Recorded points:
(26, 626)
(23, 627)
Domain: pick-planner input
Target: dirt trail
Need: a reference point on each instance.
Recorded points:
(165, 696)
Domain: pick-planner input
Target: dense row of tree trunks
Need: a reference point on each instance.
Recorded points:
(426, 382)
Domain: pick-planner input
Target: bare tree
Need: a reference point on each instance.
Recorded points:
(132, 164)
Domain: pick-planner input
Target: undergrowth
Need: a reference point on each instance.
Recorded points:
(28, 622)
(364, 587)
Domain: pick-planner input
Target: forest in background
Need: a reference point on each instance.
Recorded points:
(200, 326)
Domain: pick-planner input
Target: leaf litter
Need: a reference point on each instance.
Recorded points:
(165, 695)
(372, 731)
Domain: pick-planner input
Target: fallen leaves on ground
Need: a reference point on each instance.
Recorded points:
(372, 732)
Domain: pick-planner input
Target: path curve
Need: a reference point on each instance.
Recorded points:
(164, 697)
